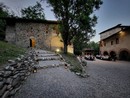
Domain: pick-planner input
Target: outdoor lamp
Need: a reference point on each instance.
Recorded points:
(57, 50)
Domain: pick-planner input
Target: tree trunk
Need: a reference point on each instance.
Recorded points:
(65, 48)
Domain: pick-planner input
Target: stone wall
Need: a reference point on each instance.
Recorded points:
(10, 33)
(44, 35)
(123, 36)
(15, 73)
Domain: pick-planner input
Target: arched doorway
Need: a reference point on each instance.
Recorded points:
(105, 53)
(124, 55)
(32, 42)
(112, 53)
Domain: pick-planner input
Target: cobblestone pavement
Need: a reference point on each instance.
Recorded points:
(107, 80)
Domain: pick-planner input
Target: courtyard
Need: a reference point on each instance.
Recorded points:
(107, 79)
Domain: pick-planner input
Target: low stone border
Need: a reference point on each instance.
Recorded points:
(15, 73)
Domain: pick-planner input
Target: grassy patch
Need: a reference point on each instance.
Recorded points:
(73, 61)
(9, 51)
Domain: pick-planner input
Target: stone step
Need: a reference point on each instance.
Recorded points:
(49, 63)
(49, 66)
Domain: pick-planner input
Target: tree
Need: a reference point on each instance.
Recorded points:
(3, 13)
(79, 42)
(95, 46)
(33, 12)
(76, 16)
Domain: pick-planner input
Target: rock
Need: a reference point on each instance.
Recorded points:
(12, 68)
(9, 80)
(15, 76)
(7, 73)
(12, 64)
(25, 78)
(1, 73)
(15, 81)
(9, 68)
(18, 59)
(77, 73)
(28, 73)
(22, 78)
(1, 84)
(84, 75)
(6, 94)
(26, 62)
(13, 92)
(53, 65)
(11, 61)
(1, 78)
(3, 90)
(16, 72)
(29, 68)
(22, 74)
(32, 64)
(21, 56)
(24, 70)
(9, 87)
(19, 64)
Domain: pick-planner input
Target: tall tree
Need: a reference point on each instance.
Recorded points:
(33, 12)
(76, 16)
(3, 13)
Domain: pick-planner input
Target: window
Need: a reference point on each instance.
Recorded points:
(111, 42)
(104, 43)
(101, 44)
(117, 40)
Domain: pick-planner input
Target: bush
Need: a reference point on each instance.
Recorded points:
(78, 52)
(73, 61)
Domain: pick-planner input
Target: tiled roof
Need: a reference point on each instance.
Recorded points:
(117, 26)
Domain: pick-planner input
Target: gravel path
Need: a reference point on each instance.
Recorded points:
(55, 82)
(107, 80)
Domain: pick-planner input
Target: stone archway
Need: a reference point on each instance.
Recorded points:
(105, 53)
(124, 55)
(32, 42)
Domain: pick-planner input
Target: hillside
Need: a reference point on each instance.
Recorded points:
(9, 51)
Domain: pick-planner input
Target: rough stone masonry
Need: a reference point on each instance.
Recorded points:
(15, 73)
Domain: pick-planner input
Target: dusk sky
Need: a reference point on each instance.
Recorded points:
(111, 13)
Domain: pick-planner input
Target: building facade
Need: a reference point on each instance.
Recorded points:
(115, 42)
(37, 33)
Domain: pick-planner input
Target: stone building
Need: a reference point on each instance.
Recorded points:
(88, 51)
(115, 41)
(27, 32)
